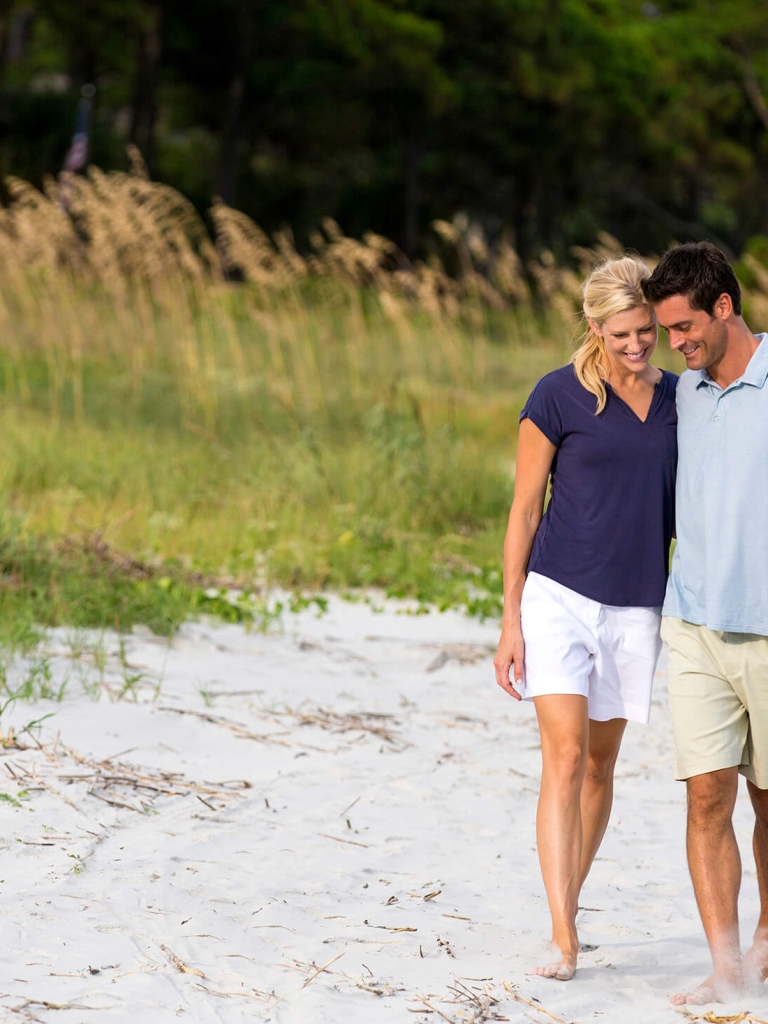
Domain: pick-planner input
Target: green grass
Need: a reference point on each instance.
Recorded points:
(312, 439)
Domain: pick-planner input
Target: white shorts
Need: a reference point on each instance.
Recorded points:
(573, 644)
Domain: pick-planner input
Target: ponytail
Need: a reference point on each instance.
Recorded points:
(589, 364)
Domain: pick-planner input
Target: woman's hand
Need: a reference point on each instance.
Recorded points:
(510, 655)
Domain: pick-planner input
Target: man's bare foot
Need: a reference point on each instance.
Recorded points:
(713, 990)
(562, 968)
(755, 962)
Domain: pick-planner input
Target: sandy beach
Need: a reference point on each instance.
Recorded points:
(331, 822)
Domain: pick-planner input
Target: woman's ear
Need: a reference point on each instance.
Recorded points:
(594, 326)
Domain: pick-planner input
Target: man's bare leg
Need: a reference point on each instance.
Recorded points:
(564, 729)
(597, 789)
(715, 866)
(756, 959)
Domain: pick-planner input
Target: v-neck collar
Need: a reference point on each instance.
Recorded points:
(657, 390)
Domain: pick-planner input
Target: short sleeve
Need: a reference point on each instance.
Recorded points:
(543, 409)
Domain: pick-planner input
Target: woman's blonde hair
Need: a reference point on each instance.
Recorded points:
(613, 287)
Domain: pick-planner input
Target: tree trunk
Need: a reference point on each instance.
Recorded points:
(232, 124)
(141, 131)
(5, 10)
(754, 92)
(15, 28)
(226, 176)
(414, 153)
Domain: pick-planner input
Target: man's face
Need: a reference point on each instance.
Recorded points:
(701, 337)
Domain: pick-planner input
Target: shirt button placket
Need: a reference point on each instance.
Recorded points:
(714, 471)
(718, 415)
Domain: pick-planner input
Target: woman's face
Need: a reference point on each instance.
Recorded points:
(630, 338)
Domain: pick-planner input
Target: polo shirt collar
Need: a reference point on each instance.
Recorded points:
(756, 372)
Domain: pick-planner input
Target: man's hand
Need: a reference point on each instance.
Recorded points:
(511, 654)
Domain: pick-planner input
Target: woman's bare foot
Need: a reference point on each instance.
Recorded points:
(704, 993)
(713, 990)
(562, 968)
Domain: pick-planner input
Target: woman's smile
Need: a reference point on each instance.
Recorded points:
(639, 357)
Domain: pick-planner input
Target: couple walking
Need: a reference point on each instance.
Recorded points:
(585, 582)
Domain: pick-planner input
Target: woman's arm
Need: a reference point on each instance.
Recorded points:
(534, 461)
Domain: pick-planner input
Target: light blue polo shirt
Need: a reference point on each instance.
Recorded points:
(719, 576)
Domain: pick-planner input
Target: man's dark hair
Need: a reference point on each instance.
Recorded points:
(698, 270)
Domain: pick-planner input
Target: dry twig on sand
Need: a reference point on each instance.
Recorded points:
(371, 722)
(154, 780)
(325, 967)
(316, 971)
(509, 987)
(110, 781)
(480, 1003)
(255, 994)
(434, 1009)
(347, 842)
(30, 773)
(179, 964)
(47, 1005)
(10, 741)
(235, 727)
(354, 721)
(464, 654)
(377, 988)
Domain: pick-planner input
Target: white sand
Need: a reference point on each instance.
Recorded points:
(351, 823)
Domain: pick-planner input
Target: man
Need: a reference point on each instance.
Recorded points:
(715, 620)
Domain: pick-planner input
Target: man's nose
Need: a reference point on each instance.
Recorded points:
(676, 339)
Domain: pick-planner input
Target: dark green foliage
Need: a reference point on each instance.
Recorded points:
(550, 120)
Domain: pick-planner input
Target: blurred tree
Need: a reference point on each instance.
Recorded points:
(293, 93)
(712, 125)
(546, 119)
(556, 99)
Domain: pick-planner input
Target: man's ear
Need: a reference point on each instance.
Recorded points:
(723, 306)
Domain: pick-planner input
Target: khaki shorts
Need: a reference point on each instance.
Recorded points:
(718, 699)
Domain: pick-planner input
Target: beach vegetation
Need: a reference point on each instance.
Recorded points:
(198, 419)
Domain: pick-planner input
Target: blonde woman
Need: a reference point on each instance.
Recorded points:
(584, 581)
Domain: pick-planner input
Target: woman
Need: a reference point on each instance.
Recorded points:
(584, 583)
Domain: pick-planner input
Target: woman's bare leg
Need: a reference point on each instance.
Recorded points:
(597, 789)
(564, 729)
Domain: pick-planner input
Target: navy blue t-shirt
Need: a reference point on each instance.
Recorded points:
(607, 529)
